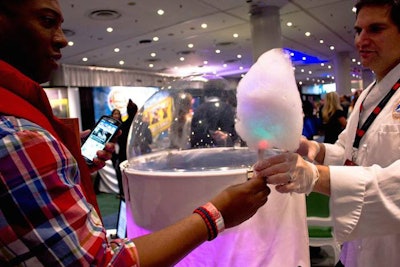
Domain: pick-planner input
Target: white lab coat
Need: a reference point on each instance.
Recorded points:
(365, 201)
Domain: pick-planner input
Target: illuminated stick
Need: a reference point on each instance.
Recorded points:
(262, 146)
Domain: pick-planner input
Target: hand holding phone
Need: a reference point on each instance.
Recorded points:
(105, 129)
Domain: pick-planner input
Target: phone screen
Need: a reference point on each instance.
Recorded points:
(104, 130)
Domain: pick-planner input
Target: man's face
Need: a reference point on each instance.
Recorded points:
(31, 38)
(377, 39)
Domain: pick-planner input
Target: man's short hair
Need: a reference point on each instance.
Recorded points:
(393, 4)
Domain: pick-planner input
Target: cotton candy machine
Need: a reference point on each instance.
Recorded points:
(182, 150)
(166, 186)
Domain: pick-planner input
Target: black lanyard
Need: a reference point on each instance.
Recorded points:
(361, 131)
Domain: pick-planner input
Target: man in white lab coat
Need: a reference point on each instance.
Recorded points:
(361, 171)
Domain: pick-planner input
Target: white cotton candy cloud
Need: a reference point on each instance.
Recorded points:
(269, 108)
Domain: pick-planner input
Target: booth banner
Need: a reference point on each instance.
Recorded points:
(159, 115)
(105, 99)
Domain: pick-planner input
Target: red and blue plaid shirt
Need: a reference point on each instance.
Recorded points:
(45, 219)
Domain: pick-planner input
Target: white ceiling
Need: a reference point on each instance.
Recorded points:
(329, 20)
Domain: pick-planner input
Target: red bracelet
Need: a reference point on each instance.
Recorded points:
(212, 218)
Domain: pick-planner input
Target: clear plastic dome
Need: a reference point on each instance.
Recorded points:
(188, 114)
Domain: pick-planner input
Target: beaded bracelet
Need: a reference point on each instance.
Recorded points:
(212, 218)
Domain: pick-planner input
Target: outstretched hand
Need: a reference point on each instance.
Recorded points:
(289, 172)
(240, 202)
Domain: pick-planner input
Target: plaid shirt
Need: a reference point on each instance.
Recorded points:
(45, 219)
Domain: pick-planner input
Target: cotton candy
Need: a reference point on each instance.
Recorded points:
(269, 108)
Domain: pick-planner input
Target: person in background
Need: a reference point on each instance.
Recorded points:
(213, 122)
(141, 144)
(360, 172)
(179, 134)
(119, 155)
(310, 121)
(345, 101)
(354, 98)
(116, 114)
(334, 119)
(46, 211)
(131, 109)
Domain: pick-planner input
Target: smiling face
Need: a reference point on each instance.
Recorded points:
(377, 39)
(31, 37)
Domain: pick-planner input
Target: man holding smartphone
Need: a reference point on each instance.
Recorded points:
(46, 196)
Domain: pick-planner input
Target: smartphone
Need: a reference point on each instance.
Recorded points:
(104, 130)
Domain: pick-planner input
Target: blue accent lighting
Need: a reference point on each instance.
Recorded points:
(299, 58)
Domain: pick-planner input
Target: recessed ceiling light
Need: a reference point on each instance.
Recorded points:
(332, 47)
(218, 51)
(109, 29)
(307, 34)
(70, 43)
(160, 12)
(155, 38)
(85, 59)
(182, 59)
(116, 50)
(289, 24)
(204, 25)
(121, 62)
(153, 54)
(190, 45)
(235, 35)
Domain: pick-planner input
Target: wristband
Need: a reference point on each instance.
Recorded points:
(212, 218)
(216, 215)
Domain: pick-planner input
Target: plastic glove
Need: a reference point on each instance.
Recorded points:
(309, 149)
(304, 176)
(289, 172)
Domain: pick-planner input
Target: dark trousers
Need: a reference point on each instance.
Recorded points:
(339, 264)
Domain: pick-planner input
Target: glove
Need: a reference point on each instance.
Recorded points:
(289, 172)
(309, 149)
(304, 176)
